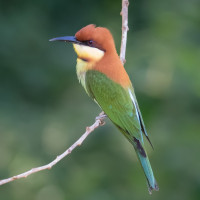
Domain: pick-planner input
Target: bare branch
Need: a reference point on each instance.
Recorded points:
(124, 14)
(99, 121)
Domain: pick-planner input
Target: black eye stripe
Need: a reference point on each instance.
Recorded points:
(92, 43)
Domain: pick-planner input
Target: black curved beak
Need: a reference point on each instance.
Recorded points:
(66, 39)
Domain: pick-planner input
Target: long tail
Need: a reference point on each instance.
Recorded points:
(144, 161)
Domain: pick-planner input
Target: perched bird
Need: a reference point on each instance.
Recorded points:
(105, 80)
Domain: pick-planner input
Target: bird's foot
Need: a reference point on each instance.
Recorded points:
(101, 117)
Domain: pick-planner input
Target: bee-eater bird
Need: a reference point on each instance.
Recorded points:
(105, 80)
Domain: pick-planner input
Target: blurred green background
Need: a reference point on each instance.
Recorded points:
(43, 108)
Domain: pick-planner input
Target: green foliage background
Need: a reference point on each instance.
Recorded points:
(43, 109)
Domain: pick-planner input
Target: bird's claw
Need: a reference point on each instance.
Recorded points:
(101, 117)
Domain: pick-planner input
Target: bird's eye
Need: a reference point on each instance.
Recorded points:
(90, 42)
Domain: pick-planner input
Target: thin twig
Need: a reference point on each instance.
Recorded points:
(124, 14)
(99, 121)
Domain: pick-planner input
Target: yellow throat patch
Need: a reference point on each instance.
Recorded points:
(88, 54)
(87, 57)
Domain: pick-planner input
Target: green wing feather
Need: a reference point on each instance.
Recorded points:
(143, 129)
(115, 101)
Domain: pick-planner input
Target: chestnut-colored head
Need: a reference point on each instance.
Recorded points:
(98, 37)
(96, 50)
